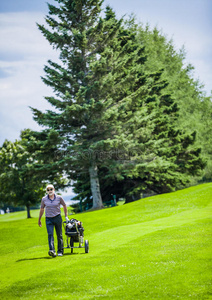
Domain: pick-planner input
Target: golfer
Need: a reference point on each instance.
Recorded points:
(51, 203)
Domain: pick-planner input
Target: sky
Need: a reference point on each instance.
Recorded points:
(24, 51)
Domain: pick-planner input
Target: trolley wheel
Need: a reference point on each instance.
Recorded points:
(72, 244)
(86, 246)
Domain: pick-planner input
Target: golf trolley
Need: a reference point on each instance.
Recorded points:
(75, 234)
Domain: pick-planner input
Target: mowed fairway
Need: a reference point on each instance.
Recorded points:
(155, 248)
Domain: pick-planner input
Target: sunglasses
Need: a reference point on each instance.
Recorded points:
(49, 190)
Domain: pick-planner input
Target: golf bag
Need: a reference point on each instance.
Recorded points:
(74, 229)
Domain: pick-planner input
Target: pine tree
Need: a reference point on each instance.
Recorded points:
(154, 154)
(161, 157)
(115, 119)
(82, 36)
(188, 92)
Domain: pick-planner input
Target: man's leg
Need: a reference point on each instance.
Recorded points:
(50, 230)
(58, 227)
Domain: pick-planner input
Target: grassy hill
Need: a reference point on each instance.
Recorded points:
(154, 248)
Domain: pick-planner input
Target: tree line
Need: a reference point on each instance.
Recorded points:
(127, 117)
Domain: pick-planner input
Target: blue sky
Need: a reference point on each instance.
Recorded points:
(24, 51)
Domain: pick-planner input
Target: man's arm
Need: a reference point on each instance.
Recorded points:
(65, 212)
(40, 216)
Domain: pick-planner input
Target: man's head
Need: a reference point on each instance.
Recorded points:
(50, 189)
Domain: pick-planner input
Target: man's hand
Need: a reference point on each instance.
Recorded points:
(67, 219)
(40, 216)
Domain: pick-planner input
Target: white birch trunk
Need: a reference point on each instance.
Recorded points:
(95, 187)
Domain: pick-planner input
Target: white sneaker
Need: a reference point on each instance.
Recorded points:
(60, 254)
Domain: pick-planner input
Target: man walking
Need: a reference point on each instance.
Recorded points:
(51, 203)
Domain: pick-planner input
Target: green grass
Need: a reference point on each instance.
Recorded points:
(155, 248)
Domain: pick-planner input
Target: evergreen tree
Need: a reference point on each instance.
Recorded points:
(93, 57)
(195, 108)
(154, 155)
(158, 155)
(161, 157)
(204, 128)
(112, 115)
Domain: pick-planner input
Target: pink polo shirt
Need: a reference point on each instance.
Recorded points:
(52, 207)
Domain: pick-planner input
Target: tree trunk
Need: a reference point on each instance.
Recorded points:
(28, 211)
(95, 187)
